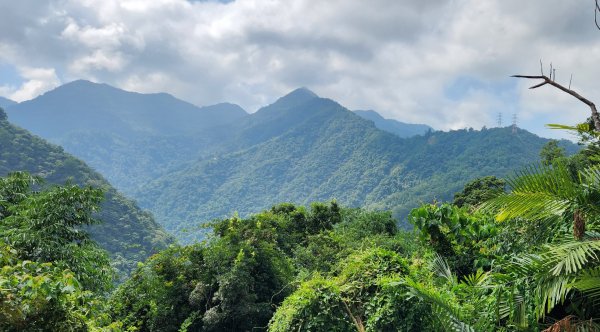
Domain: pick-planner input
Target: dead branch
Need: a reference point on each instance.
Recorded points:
(596, 10)
(547, 80)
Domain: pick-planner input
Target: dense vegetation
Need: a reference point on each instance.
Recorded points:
(128, 233)
(522, 259)
(514, 254)
(53, 276)
(519, 260)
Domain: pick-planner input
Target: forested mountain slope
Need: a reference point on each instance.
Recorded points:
(303, 148)
(127, 232)
(128, 137)
(396, 127)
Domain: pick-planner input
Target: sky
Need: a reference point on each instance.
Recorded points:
(443, 63)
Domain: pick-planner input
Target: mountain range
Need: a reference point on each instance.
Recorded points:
(128, 137)
(191, 164)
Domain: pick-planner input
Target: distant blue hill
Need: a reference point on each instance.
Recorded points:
(83, 106)
(5, 102)
(395, 127)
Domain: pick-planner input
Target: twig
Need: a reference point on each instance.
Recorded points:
(570, 80)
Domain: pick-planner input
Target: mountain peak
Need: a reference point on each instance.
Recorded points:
(304, 91)
(296, 97)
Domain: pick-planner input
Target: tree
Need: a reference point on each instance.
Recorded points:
(47, 226)
(50, 268)
(478, 191)
(551, 152)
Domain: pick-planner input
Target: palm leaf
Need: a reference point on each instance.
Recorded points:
(588, 283)
(553, 180)
(532, 206)
(537, 192)
(441, 268)
(571, 256)
(558, 270)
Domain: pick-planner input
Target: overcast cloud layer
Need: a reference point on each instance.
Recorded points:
(444, 63)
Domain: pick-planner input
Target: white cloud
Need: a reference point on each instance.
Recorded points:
(36, 81)
(398, 57)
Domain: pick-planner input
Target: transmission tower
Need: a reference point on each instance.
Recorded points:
(499, 120)
(514, 123)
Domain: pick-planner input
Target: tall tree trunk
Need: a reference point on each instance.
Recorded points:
(578, 224)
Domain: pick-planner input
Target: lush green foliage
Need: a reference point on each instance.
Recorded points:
(236, 279)
(478, 191)
(51, 273)
(362, 294)
(128, 233)
(550, 152)
(47, 227)
(544, 254)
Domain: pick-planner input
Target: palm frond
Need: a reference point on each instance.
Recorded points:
(527, 205)
(440, 267)
(588, 282)
(537, 192)
(558, 270)
(476, 279)
(553, 180)
(571, 256)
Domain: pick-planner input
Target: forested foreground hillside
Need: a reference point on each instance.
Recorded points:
(126, 232)
(520, 254)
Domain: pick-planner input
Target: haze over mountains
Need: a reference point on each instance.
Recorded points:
(191, 164)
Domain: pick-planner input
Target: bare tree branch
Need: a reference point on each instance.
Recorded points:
(547, 80)
(596, 10)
